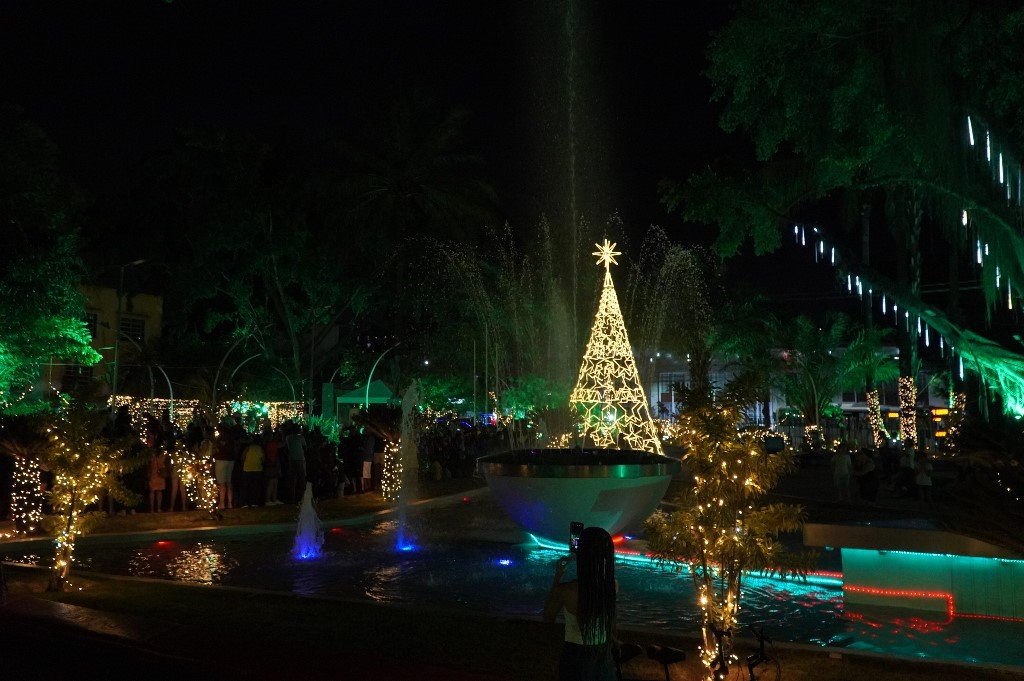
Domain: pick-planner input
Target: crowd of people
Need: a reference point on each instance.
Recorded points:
(860, 473)
(268, 466)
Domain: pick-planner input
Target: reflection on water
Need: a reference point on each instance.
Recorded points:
(449, 569)
(202, 563)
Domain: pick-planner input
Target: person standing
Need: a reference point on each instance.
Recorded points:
(923, 478)
(224, 466)
(588, 604)
(905, 477)
(295, 482)
(272, 467)
(157, 480)
(252, 472)
(366, 446)
(841, 469)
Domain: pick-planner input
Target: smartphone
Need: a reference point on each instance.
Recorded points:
(575, 530)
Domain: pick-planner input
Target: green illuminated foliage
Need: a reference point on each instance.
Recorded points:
(857, 112)
(40, 309)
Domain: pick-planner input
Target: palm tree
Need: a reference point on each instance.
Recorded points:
(818, 368)
(874, 366)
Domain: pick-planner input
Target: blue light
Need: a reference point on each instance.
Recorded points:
(407, 547)
(504, 562)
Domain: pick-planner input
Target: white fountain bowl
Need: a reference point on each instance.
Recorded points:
(543, 490)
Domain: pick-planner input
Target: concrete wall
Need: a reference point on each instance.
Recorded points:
(979, 586)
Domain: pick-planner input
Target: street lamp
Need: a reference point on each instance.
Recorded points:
(117, 332)
(374, 368)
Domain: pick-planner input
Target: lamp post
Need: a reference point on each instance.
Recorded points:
(369, 380)
(117, 332)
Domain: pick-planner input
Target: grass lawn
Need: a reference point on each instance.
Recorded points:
(260, 635)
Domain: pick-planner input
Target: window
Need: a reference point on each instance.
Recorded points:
(134, 328)
(76, 377)
(91, 322)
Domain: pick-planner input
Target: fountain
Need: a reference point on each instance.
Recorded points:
(407, 462)
(545, 490)
(309, 535)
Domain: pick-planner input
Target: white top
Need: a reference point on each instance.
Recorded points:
(573, 633)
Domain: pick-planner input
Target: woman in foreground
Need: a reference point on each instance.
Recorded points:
(588, 604)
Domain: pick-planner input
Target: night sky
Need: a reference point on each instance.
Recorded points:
(111, 82)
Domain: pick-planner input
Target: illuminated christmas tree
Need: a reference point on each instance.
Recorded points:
(608, 393)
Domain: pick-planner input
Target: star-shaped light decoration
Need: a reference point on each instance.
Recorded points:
(606, 254)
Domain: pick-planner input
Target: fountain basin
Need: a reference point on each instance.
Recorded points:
(543, 490)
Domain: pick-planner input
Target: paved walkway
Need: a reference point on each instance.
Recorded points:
(61, 641)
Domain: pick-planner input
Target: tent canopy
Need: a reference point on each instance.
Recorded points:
(380, 393)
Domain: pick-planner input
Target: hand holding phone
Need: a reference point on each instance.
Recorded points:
(575, 530)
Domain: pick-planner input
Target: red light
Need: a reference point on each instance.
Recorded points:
(618, 539)
(899, 593)
(163, 542)
(465, 500)
(336, 530)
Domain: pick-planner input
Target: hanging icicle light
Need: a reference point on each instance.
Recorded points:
(919, 325)
(883, 303)
(849, 283)
(970, 131)
(963, 218)
(1001, 177)
(997, 276)
(988, 146)
(927, 340)
(961, 368)
(978, 250)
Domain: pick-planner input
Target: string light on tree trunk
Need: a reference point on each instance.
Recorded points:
(908, 408)
(26, 496)
(878, 432)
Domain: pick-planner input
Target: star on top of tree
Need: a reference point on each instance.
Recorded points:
(606, 254)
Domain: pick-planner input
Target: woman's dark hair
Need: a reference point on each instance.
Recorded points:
(595, 577)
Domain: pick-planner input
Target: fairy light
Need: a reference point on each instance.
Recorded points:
(26, 496)
(195, 467)
(710, 533)
(139, 407)
(83, 466)
(608, 392)
(391, 478)
(954, 421)
(903, 593)
(908, 408)
(878, 432)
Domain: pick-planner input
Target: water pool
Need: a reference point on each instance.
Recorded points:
(468, 556)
